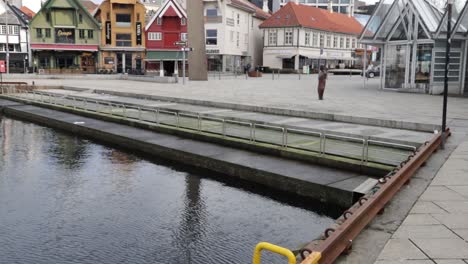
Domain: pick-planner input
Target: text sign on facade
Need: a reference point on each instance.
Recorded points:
(108, 33)
(2, 66)
(180, 43)
(65, 35)
(138, 33)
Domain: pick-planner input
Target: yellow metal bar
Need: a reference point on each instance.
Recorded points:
(313, 258)
(275, 249)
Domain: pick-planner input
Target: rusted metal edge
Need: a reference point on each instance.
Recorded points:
(340, 239)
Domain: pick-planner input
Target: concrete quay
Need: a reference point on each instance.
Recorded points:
(436, 229)
(303, 179)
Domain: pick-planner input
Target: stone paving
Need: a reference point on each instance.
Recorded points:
(436, 229)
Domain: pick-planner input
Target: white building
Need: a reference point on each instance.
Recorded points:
(14, 38)
(338, 6)
(233, 37)
(299, 35)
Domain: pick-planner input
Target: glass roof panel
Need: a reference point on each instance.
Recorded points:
(429, 14)
(399, 33)
(377, 18)
(393, 16)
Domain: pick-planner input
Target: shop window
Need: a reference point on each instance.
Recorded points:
(90, 33)
(423, 63)
(211, 37)
(124, 40)
(65, 62)
(48, 33)
(44, 62)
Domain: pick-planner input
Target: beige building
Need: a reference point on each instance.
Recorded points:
(122, 47)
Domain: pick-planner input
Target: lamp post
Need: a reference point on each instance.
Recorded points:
(447, 62)
(25, 63)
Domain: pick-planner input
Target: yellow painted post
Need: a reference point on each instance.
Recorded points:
(275, 249)
(313, 258)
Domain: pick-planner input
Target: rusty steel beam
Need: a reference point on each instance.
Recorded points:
(357, 218)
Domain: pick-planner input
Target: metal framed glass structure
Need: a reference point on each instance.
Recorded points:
(411, 36)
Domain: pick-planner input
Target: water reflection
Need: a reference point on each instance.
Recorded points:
(68, 200)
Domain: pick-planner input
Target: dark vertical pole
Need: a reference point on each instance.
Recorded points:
(447, 60)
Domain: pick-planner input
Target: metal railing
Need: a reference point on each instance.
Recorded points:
(357, 148)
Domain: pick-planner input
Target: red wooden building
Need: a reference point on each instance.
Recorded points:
(166, 27)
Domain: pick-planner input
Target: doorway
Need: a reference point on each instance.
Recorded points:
(128, 62)
(169, 68)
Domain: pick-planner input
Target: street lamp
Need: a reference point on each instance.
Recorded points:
(25, 63)
(447, 62)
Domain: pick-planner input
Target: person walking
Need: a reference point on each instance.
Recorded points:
(322, 80)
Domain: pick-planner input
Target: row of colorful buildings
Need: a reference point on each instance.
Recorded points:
(116, 36)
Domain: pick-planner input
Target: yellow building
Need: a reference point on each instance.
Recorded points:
(122, 47)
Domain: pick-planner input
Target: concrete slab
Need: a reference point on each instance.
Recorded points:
(420, 220)
(424, 231)
(443, 248)
(441, 193)
(453, 221)
(399, 249)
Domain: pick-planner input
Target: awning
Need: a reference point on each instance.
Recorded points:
(163, 55)
(64, 47)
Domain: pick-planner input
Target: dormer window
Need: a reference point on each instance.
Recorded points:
(159, 21)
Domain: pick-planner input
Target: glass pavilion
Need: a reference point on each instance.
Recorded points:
(411, 35)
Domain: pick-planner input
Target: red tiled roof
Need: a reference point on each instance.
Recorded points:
(258, 11)
(64, 47)
(296, 15)
(89, 5)
(27, 11)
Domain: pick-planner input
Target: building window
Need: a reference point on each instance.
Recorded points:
(353, 43)
(238, 19)
(123, 20)
(81, 33)
(246, 39)
(314, 39)
(138, 16)
(328, 41)
(183, 21)
(48, 33)
(48, 17)
(124, 40)
(288, 37)
(341, 43)
(272, 37)
(108, 16)
(212, 37)
(183, 36)
(237, 39)
(90, 33)
(156, 35)
(335, 41)
(38, 32)
(159, 21)
(212, 12)
(80, 18)
(307, 39)
(231, 36)
(321, 40)
(347, 43)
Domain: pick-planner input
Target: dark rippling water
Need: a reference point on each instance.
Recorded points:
(64, 199)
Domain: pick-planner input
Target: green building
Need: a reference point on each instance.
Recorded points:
(64, 38)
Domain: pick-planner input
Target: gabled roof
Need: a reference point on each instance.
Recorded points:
(163, 9)
(296, 15)
(77, 4)
(258, 12)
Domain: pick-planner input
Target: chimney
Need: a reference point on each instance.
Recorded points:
(265, 6)
(330, 6)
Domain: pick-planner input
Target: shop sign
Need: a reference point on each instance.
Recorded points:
(108, 33)
(138, 33)
(65, 35)
(2, 66)
(212, 51)
(87, 54)
(109, 60)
